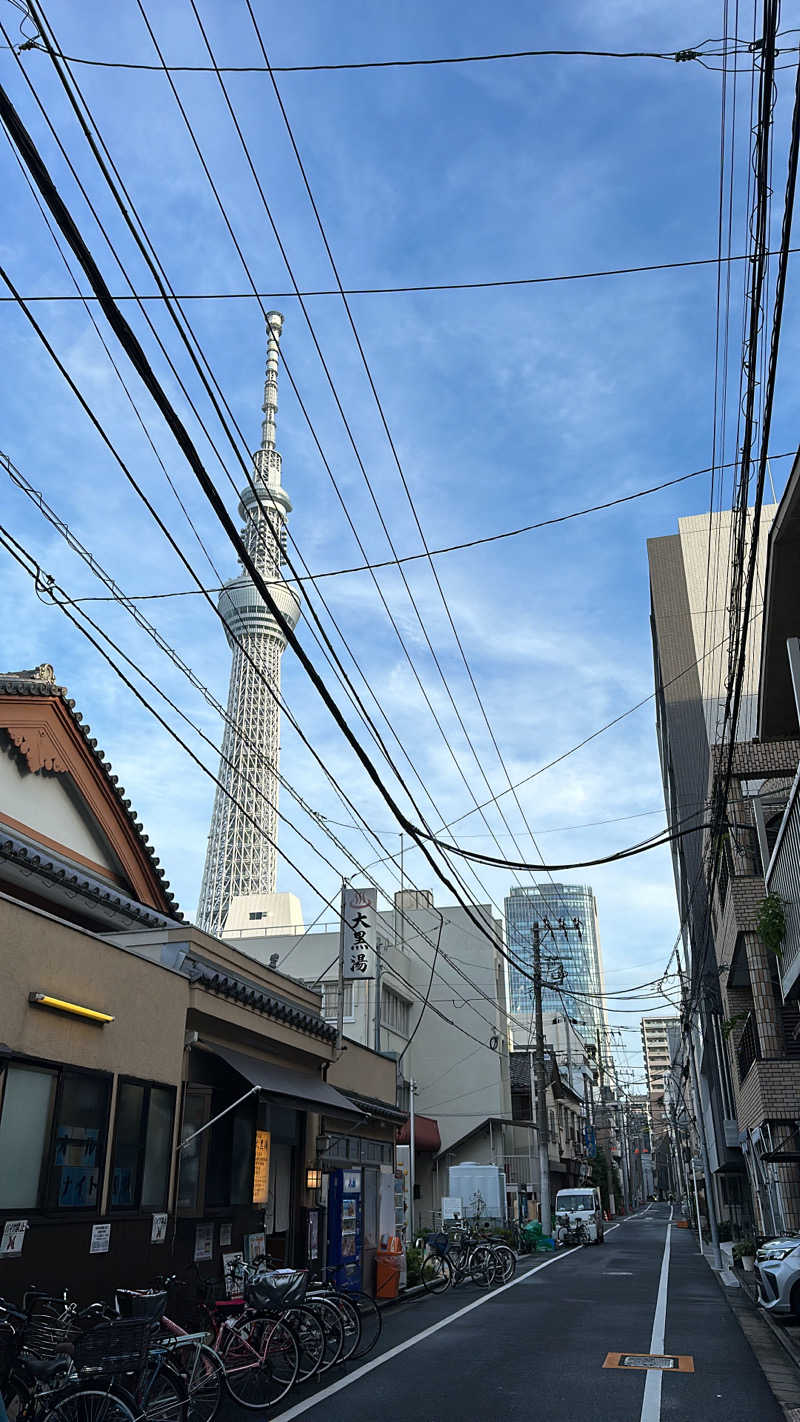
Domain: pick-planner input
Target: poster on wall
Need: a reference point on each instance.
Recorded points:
(14, 1232)
(261, 1169)
(256, 1246)
(101, 1239)
(203, 1243)
(233, 1266)
(158, 1229)
(224, 1236)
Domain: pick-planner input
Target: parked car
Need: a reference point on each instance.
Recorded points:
(778, 1275)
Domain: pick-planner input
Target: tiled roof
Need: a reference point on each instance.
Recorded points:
(249, 994)
(41, 681)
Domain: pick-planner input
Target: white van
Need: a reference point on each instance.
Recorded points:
(582, 1202)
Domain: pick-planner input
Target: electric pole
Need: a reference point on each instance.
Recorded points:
(541, 1100)
(711, 1206)
(607, 1120)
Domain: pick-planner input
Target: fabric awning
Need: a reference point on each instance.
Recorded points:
(304, 1089)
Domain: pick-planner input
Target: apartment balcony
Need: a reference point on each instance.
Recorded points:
(783, 878)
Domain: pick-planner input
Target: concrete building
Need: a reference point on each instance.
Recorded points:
(446, 1032)
(239, 879)
(689, 576)
(577, 948)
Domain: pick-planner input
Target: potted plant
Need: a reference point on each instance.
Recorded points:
(745, 1252)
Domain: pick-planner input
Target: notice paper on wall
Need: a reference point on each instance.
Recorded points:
(224, 1236)
(101, 1239)
(158, 1231)
(14, 1232)
(203, 1243)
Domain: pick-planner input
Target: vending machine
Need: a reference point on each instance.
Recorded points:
(344, 1229)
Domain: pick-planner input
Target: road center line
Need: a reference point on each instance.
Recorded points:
(301, 1407)
(651, 1402)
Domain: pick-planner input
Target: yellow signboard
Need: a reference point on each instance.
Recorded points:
(261, 1169)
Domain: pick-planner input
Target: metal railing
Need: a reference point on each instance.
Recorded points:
(748, 1049)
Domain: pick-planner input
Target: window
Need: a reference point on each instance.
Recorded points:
(142, 1146)
(191, 1177)
(52, 1138)
(395, 1012)
(24, 1129)
(229, 1171)
(330, 1001)
(259, 914)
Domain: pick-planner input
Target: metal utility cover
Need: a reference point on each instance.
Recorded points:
(662, 1362)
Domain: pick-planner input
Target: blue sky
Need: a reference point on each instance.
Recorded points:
(506, 406)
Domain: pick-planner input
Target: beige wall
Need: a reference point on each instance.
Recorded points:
(148, 1003)
(359, 1069)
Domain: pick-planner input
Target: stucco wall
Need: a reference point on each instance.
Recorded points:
(148, 1003)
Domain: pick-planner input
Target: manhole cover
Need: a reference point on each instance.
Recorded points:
(661, 1362)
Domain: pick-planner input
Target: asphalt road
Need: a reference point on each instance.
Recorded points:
(536, 1348)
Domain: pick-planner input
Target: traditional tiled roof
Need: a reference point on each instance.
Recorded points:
(249, 994)
(41, 681)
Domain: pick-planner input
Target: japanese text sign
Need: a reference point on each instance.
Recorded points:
(359, 911)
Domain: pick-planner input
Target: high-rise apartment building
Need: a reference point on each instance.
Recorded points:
(657, 1051)
(578, 949)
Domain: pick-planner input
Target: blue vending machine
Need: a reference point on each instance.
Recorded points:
(344, 1229)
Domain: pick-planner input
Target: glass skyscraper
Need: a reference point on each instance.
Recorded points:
(580, 954)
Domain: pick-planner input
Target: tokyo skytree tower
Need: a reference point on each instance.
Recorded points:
(241, 858)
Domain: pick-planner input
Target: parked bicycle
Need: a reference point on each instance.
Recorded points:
(447, 1263)
(570, 1231)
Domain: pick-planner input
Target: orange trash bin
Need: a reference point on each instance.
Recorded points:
(388, 1266)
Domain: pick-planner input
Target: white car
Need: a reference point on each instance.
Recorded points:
(778, 1275)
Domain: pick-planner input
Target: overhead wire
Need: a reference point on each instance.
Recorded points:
(37, 11)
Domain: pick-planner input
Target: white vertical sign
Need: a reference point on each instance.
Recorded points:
(359, 912)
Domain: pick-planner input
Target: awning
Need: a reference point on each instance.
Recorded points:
(426, 1134)
(303, 1089)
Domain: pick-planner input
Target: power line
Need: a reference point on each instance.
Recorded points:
(679, 56)
(477, 542)
(126, 209)
(325, 366)
(419, 287)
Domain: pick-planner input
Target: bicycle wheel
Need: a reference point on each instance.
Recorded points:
(161, 1393)
(351, 1324)
(371, 1321)
(506, 1261)
(310, 1334)
(482, 1266)
(203, 1372)
(91, 1404)
(436, 1273)
(261, 1360)
(332, 1326)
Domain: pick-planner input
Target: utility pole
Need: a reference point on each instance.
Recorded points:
(541, 1100)
(607, 1121)
(716, 1256)
(412, 1086)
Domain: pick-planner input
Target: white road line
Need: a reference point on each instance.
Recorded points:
(651, 1402)
(301, 1407)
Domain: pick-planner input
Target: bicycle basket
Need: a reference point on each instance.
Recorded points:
(141, 1303)
(111, 1348)
(438, 1243)
(276, 1288)
(47, 1333)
